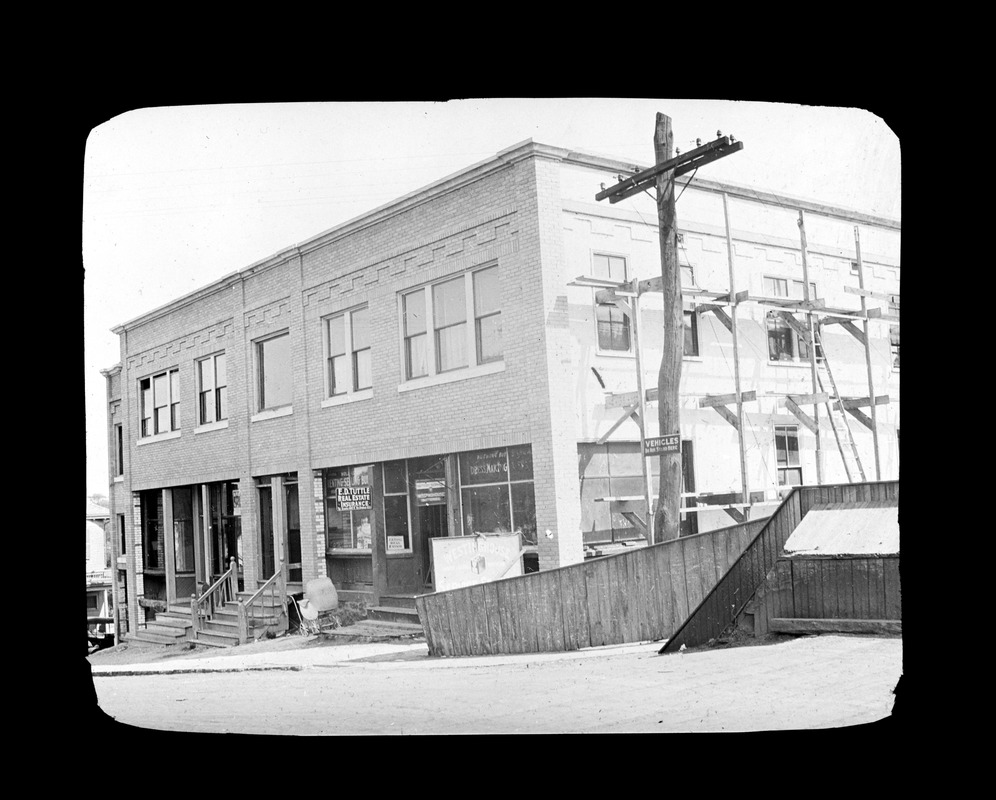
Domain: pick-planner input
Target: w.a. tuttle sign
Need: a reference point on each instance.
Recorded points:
(658, 445)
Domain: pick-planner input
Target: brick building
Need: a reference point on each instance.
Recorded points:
(440, 367)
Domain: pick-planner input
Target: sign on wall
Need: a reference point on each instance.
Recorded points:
(430, 492)
(467, 560)
(658, 445)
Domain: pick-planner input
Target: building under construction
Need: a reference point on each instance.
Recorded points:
(466, 359)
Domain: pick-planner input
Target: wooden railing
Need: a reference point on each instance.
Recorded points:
(223, 590)
(275, 588)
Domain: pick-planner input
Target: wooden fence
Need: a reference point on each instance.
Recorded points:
(643, 595)
(829, 588)
(729, 597)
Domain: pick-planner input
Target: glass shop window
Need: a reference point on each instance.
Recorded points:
(397, 529)
(348, 509)
(497, 493)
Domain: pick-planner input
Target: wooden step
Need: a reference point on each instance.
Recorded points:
(154, 636)
(171, 621)
(398, 601)
(218, 638)
(393, 614)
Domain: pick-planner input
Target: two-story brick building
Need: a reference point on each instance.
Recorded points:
(438, 367)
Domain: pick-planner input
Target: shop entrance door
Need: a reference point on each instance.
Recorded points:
(431, 523)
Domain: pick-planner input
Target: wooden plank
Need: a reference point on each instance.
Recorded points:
(596, 595)
(456, 612)
(861, 588)
(893, 595)
(665, 596)
(527, 603)
(492, 610)
(619, 599)
(800, 588)
(728, 415)
(693, 569)
(781, 599)
(811, 626)
(510, 642)
(845, 592)
(828, 587)
(815, 580)
(707, 561)
(643, 595)
(477, 619)
(711, 401)
(420, 603)
(876, 588)
(631, 588)
(439, 621)
(801, 415)
(574, 613)
(679, 588)
(553, 622)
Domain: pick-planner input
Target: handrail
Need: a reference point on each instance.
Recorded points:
(276, 581)
(213, 594)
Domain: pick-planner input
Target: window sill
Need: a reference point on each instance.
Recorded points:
(345, 399)
(159, 437)
(211, 426)
(692, 358)
(272, 413)
(451, 377)
(788, 364)
(344, 553)
(118, 479)
(614, 354)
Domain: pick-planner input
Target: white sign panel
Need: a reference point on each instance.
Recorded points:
(467, 560)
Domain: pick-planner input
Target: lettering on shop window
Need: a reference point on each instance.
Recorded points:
(349, 498)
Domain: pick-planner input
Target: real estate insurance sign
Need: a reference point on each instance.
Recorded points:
(349, 498)
(466, 560)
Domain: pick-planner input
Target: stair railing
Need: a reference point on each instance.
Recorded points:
(275, 587)
(223, 590)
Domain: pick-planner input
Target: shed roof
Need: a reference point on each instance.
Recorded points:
(94, 511)
(846, 529)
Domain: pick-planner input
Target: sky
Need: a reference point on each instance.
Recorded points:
(177, 197)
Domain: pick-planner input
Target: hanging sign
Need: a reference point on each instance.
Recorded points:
(658, 445)
(430, 492)
(349, 498)
(236, 503)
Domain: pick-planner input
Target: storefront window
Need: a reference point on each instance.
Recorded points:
(183, 530)
(348, 509)
(497, 491)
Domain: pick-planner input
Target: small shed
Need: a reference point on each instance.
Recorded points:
(838, 572)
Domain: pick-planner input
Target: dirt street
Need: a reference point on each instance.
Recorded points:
(809, 682)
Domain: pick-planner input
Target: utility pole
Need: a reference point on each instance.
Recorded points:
(667, 520)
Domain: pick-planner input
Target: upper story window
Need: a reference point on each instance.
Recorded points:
(691, 333)
(118, 449)
(273, 363)
(787, 455)
(436, 331)
(687, 276)
(348, 361)
(160, 403)
(785, 343)
(611, 323)
(212, 389)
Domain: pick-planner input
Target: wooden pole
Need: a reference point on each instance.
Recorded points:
(812, 347)
(648, 491)
(736, 362)
(668, 521)
(868, 363)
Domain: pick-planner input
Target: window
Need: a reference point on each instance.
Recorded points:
(611, 323)
(160, 403)
(449, 317)
(487, 315)
(894, 335)
(687, 276)
(348, 509)
(496, 491)
(121, 534)
(349, 367)
(273, 359)
(786, 343)
(691, 333)
(396, 511)
(787, 455)
(212, 404)
(118, 449)
(436, 335)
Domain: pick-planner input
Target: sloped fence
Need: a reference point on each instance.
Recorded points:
(643, 595)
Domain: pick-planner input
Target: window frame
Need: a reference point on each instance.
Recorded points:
(627, 326)
(349, 355)
(774, 322)
(118, 450)
(694, 316)
(258, 365)
(508, 483)
(410, 549)
(472, 350)
(792, 431)
(172, 405)
(220, 408)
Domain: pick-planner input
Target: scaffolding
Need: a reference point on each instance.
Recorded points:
(626, 296)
